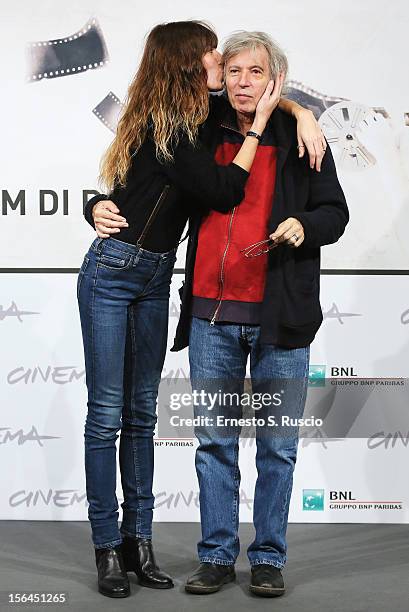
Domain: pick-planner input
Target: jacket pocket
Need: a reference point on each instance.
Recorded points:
(306, 272)
(300, 303)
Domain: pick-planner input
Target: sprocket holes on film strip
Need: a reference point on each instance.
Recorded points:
(310, 98)
(84, 50)
(108, 111)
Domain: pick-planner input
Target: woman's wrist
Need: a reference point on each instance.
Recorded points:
(258, 126)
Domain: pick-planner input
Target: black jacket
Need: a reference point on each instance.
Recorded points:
(291, 312)
(191, 183)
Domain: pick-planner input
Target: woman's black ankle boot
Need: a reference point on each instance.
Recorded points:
(112, 578)
(139, 558)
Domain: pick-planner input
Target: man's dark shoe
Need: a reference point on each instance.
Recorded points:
(139, 558)
(267, 581)
(209, 578)
(112, 578)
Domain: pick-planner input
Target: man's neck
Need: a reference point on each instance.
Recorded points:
(244, 122)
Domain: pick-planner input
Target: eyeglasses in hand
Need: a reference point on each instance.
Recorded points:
(259, 248)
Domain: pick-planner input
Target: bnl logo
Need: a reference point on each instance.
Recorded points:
(313, 499)
(316, 376)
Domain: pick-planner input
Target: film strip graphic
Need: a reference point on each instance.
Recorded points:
(108, 111)
(318, 103)
(311, 98)
(84, 50)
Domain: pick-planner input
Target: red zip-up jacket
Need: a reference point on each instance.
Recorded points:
(227, 286)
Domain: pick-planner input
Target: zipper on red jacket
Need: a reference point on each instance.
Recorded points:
(221, 280)
(229, 127)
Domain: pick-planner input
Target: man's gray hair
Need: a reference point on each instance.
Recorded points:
(241, 40)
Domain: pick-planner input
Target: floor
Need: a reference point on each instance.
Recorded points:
(330, 568)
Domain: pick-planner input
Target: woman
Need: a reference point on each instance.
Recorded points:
(158, 174)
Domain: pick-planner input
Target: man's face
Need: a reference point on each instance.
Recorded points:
(247, 75)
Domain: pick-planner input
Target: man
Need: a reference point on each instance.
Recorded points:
(252, 291)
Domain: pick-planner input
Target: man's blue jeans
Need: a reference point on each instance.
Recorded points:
(123, 296)
(220, 352)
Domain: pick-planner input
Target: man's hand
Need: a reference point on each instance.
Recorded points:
(106, 218)
(310, 137)
(290, 231)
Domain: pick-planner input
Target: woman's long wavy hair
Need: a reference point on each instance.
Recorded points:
(169, 93)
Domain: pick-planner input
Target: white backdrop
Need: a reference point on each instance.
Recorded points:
(54, 141)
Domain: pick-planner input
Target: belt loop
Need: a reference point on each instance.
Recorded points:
(98, 245)
(94, 244)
